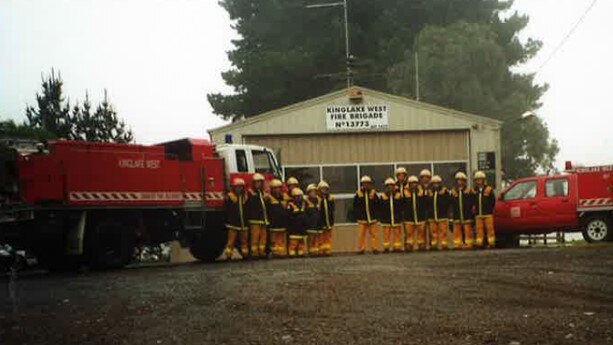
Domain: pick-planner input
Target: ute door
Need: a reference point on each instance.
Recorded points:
(558, 209)
(517, 208)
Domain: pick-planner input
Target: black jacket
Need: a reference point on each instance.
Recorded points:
(277, 214)
(236, 217)
(297, 222)
(365, 206)
(390, 209)
(439, 200)
(326, 209)
(416, 205)
(485, 201)
(462, 202)
(257, 212)
(313, 215)
(401, 188)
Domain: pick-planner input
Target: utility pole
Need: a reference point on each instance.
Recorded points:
(348, 57)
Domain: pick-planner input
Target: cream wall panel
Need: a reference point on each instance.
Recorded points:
(367, 147)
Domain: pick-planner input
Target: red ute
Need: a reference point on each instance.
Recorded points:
(582, 200)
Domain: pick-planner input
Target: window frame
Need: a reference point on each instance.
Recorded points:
(357, 166)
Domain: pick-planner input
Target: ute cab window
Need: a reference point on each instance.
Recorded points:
(521, 191)
(241, 161)
(556, 188)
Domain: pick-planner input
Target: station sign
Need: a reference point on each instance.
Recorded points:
(357, 117)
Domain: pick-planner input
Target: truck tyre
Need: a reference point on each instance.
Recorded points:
(507, 241)
(109, 245)
(597, 229)
(208, 244)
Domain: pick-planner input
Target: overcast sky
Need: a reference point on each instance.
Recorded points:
(159, 58)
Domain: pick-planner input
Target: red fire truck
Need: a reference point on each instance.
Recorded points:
(579, 200)
(80, 202)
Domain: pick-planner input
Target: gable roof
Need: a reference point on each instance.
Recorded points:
(332, 95)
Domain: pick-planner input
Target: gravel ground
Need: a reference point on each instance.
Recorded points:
(524, 296)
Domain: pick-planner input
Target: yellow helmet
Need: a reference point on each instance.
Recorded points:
(323, 184)
(311, 187)
(297, 192)
(413, 179)
(426, 173)
(460, 176)
(258, 177)
(479, 175)
(401, 170)
(365, 179)
(276, 183)
(238, 182)
(292, 181)
(390, 181)
(436, 179)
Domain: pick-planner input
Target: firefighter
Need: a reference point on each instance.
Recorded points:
(485, 201)
(291, 183)
(313, 217)
(258, 216)
(326, 209)
(438, 197)
(389, 215)
(236, 221)
(416, 214)
(461, 206)
(425, 176)
(365, 207)
(297, 224)
(277, 214)
(402, 185)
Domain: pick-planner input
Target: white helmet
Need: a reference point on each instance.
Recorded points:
(436, 179)
(365, 179)
(390, 181)
(425, 173)
(292, 181)
(460, 176)
(479, 175)
(413, 179)
(401, 170)
(258, 177)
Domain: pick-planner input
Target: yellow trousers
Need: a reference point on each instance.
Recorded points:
(278, 244)
(485, 224)
(297, 245)
(313, 243)
(243, 238)
(258, 240)
(438, 233)
(415, 233)
(325, 242)
(465, 229)
(395, 243)
(372, 229)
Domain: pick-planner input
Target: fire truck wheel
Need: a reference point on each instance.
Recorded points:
(597, 229)
(110, 245)
(208, 245)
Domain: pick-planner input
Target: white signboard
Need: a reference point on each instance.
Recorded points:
(356, 117)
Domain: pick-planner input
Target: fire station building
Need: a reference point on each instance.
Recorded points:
(345, 134)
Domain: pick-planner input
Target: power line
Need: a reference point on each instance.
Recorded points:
(568, 35)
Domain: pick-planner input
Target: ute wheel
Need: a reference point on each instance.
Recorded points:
(208, 244)
(597, 229)
(507, 241)
(109, 245)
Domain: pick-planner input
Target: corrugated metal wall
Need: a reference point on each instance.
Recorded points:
(367, 147)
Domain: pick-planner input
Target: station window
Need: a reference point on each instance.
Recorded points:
(342, 179)
(305, 175)
(343, 212)
(378, 173)
(447, 172)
